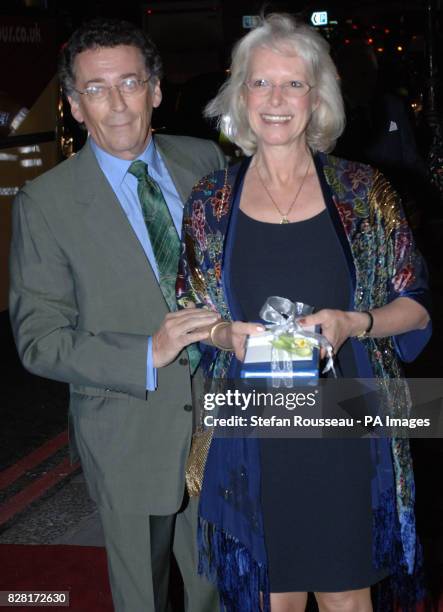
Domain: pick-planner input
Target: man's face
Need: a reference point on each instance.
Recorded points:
(119, 124)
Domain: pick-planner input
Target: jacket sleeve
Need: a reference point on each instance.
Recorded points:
(45, 316)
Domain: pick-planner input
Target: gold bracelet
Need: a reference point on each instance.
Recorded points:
(212, 332)
(365, 333)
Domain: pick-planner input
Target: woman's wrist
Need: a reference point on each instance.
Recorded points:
(218, 335)
(361, 323)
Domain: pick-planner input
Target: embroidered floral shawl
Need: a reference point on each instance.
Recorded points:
(383, 264)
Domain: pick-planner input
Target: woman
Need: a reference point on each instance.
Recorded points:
(287, 517)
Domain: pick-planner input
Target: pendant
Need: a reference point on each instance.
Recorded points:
(284, 220)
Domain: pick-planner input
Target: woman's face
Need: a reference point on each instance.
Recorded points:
(278, 119)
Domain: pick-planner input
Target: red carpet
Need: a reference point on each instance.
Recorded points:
(81, 570)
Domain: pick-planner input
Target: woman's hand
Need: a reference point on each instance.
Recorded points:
(398, 317)
(232, 336)
(337, 325)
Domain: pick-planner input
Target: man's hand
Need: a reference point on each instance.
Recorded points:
(178, 330)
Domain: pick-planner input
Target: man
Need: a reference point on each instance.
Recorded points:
(93, 264)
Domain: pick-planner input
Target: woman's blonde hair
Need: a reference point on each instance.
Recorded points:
(283, 34)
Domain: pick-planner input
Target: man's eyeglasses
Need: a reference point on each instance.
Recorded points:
(290, 89)
(127, 87)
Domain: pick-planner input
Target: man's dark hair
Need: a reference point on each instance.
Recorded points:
(106, 33)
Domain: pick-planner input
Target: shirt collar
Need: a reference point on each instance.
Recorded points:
(116, 168)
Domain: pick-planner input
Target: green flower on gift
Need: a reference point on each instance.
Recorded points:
(301, 347)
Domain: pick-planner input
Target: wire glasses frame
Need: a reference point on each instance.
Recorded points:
(127, 87)
(289, 89)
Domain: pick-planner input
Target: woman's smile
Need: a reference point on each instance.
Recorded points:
(276, 119)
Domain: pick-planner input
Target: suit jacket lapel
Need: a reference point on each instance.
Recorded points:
(103, 212)
(179, 168)
(99, 200)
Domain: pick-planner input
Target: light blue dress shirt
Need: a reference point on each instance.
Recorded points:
(124, 186)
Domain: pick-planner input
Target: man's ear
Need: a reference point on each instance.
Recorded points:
(75, 109)
(156, 95)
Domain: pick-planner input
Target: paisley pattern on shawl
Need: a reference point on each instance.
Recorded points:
(383, 265)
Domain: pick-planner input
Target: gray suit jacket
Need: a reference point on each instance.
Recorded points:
(83, 300)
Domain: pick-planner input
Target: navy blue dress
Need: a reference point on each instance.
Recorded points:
(316, 493)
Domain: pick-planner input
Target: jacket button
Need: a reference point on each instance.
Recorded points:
(187, 407)
(183, 361)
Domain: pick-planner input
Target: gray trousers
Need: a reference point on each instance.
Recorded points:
(139, 552)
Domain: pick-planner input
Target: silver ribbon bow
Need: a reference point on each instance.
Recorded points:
(282, 315)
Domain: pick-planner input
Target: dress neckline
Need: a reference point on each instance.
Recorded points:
(302, 221)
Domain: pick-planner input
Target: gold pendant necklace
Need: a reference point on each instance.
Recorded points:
(285, 216)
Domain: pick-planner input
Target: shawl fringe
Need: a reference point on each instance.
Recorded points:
(386, 541)
(229, 565)
(402, 591)
(405, 588)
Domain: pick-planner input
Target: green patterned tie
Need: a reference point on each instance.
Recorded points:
(164, 240)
